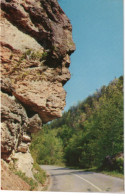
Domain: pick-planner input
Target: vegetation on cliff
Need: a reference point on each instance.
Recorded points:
(88, 135)
(36, 44)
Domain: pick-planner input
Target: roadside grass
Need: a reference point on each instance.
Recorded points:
(114, 173)
(30, 181)
(33, 184)
(38, 173)
(95, 169)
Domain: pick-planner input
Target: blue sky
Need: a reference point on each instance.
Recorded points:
(98, 35)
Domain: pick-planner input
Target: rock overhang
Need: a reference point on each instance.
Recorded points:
(31, 20)
(36, 45)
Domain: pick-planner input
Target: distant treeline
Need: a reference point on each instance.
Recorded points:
(88, 135)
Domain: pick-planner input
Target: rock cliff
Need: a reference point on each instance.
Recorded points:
(36, 44)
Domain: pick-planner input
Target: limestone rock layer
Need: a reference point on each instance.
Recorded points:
(36, 44)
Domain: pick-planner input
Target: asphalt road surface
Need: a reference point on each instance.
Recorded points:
(70, 180)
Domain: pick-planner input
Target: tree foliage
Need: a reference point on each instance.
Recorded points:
(87, 133)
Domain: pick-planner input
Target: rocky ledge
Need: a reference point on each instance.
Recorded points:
(36, 44)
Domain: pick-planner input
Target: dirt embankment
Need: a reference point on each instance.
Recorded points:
(10, 181)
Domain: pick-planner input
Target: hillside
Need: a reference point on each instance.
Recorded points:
(88, 135)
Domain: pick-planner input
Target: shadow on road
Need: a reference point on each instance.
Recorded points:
(60, 172)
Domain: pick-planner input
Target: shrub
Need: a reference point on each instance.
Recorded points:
(119, 164)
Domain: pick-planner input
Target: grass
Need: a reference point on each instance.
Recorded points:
(114, 174)
(95, 169)
(29, 55)
(39, 174)
(111, 173)
(33, 184)
(34, 55)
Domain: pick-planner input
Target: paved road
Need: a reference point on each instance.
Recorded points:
(70, 180)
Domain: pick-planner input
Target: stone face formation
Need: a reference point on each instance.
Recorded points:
(36, 44)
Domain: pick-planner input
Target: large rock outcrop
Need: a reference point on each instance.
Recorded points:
(36, 43)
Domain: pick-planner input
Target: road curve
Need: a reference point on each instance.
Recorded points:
(70, 180)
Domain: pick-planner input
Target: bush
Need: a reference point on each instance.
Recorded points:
(120, 164)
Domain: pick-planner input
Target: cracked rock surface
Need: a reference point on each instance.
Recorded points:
(36, 44)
